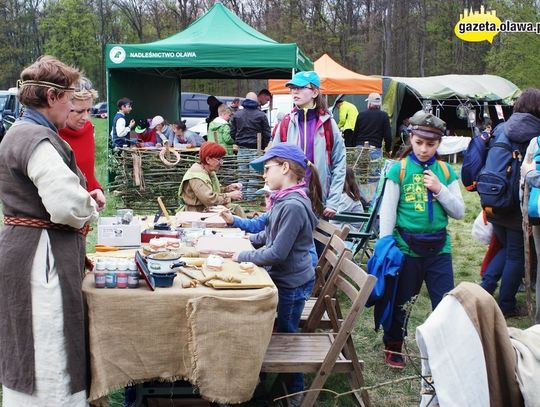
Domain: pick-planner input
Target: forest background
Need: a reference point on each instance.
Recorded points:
(373, 37)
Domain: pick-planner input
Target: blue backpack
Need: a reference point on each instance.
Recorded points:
(474, 159)
(498, 181)
(533, 207)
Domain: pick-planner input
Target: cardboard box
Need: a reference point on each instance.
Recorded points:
(113, 234)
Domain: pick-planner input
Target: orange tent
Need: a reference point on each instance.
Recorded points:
(335, 80)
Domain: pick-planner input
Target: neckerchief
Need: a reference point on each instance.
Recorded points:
(425, 166)
(33, 116)
(299, 188)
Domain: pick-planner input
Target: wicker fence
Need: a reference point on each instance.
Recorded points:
(138, 176)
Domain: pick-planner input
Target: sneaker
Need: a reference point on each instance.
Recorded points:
(296, 400)
(394, 360)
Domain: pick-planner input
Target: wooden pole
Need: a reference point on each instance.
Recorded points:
(527, 251)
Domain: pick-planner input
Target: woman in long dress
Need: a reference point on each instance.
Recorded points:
(42, 246)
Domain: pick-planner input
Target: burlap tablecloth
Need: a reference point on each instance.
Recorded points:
(216, 339)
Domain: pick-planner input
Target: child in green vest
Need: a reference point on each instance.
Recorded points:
(421, 192)
(219, 130)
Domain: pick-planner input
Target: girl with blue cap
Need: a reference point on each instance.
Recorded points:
(288, 235)
(311, 126)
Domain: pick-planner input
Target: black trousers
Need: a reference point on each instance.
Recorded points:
(348, 135)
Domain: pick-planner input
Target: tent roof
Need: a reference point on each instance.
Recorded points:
(217, 45)
(479, 87)
(335, 80)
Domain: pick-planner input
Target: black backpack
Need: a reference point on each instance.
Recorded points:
(498, 181)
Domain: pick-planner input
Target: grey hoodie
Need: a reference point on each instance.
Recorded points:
(288, 237)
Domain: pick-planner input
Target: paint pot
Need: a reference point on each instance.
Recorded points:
(121, 274)
(163, 280)
(121, 279)
(99, 279)
(110, 277)
(133, 275)
(99, 274)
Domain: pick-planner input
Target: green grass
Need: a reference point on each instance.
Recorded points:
(467, 257)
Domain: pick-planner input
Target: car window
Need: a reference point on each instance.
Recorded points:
(191, 105)
(2, 101)
(10, 104)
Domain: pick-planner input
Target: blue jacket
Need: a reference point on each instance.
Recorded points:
(287, 238)
(385, 264)
(256, 225)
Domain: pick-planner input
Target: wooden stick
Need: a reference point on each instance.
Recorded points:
(165, 212)
(526, 239)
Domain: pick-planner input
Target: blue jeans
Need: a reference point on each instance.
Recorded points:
(290, 306)
(494, 271)
(514, 264)
(436, 271)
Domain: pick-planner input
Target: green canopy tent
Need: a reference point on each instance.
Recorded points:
(218, 45)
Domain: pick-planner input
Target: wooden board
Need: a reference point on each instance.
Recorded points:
(259, 278)
(210, 219)
(223, 246)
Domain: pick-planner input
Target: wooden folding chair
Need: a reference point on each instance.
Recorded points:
(324, 231)
(326, 353)
(329, 259)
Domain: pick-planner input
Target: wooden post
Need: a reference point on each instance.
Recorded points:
(527, 251)
(259, 143)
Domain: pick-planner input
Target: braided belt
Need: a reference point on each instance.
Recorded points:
(43, 224)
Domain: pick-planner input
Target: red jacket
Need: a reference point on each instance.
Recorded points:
(82, 143)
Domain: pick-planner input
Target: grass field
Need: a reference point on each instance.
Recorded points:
(467, 257)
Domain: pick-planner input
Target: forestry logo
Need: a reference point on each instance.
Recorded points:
(117, 55)
(483, 25)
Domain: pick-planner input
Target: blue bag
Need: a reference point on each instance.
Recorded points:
(474, 159)
(498, 182)
(533, 207)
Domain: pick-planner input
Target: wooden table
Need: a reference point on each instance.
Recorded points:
(216, 339)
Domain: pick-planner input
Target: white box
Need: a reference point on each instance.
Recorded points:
(113, 234)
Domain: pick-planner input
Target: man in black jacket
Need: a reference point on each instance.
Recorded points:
(249, 121)
(373, 126)
(245, 125)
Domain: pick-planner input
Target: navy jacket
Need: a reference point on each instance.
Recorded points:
(385, 264)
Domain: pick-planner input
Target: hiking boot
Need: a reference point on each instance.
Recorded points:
(394, 360)
(516, 312)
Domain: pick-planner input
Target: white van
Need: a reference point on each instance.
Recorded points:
(280, 103)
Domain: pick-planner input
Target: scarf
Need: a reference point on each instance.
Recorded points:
(33, 116)
(275, 196)
(425, 166)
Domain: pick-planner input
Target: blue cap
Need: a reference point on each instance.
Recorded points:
(304, 79)
(282, 150)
